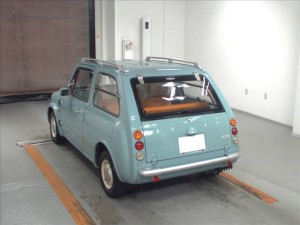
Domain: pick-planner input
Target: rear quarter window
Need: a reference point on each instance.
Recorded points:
(106, 95)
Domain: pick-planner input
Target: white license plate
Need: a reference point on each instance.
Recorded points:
(192, 143)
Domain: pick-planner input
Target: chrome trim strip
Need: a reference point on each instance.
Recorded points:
(149, 172)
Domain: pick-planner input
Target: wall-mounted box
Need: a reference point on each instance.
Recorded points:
(127, 48)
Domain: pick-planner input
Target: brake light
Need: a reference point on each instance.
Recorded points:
(139, 145)
(234, 131)
(138, 135)
(233, 122)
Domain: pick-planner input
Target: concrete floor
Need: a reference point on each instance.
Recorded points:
(270, 161)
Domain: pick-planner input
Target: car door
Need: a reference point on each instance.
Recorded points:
(75, 104)
(101, 122)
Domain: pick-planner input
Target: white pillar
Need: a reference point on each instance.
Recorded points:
(108, 29)
(147, 33)
(98, 29)
(296, 123)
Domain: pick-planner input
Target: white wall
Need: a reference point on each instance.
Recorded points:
(296, 124)
(250, 45)
(174, 29)
(108, 29)
(167, 26)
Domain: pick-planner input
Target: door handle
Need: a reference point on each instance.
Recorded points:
(114, 124)
(78, 111)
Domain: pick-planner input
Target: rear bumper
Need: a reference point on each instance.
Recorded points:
(150, 172)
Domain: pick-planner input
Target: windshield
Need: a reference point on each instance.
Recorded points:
(173, 96)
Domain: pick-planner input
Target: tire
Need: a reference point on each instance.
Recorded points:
(54, 132)
(110, 182)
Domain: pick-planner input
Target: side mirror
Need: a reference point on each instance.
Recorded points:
(64, 91)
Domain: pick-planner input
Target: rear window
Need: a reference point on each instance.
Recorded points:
(161, 96)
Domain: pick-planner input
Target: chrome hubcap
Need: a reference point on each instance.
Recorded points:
(53, 126)
(106, 174)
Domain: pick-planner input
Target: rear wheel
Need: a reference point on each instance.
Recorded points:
(111, 184)
(54, 132)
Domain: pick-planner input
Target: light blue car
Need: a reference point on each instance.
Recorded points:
(144, 121)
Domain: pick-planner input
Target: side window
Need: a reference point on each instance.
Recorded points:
(82, 84)
(106, 94)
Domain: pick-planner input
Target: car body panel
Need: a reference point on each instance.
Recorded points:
(161, 137)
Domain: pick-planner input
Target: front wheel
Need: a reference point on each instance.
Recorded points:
(54, 132)
(111, 184)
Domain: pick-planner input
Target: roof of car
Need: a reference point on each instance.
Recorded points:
(151, 63)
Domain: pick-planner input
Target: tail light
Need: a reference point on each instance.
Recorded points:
(138, 135)
(140, 155)
(139, 145)
(233, 122)
(234, 130)
(235, 140)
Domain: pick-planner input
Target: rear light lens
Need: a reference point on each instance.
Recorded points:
(140, 156)
(235, 140)
(233, 122)
(139, 145)
(156, 179)
(138, 135)
(234, 131)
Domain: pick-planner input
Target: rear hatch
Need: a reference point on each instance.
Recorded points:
(181, 116)
(185, 136)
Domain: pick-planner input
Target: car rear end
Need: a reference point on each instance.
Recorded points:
(186, 125)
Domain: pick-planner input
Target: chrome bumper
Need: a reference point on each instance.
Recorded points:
(150, 172)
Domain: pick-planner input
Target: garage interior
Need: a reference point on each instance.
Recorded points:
(250, 48)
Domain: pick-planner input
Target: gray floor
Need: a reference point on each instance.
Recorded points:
(270, 161)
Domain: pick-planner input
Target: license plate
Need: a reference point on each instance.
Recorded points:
(191, 143)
